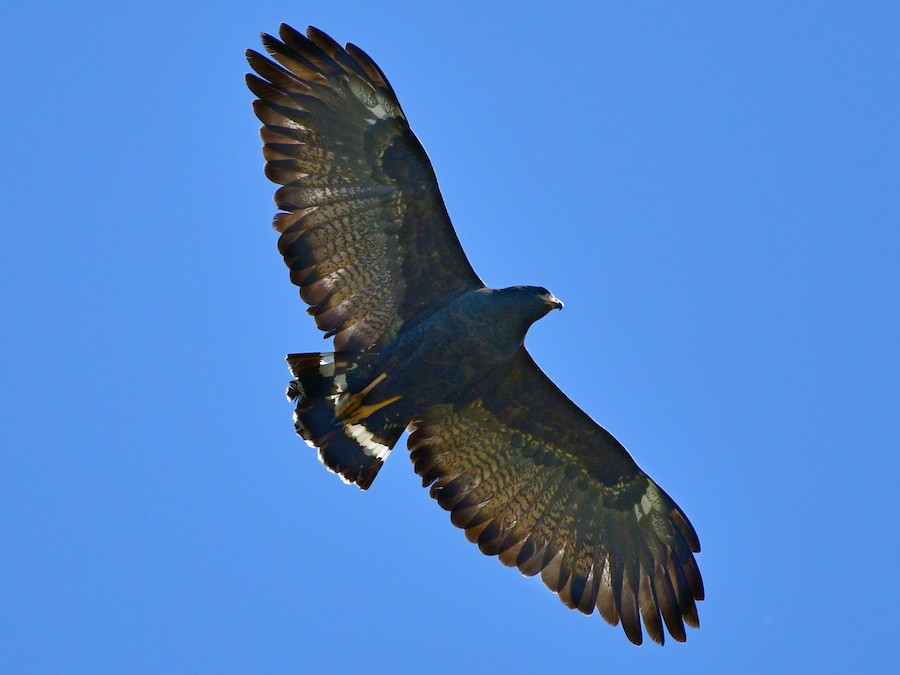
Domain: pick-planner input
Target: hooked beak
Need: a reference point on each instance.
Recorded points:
(554, 302)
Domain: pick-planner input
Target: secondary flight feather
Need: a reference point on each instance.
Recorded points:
(421, 344)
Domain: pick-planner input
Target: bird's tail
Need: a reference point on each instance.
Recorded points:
(334, 413)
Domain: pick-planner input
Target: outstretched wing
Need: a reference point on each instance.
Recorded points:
(365, 232)
(531, 478)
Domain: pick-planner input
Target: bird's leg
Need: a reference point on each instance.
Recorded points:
(352, 410)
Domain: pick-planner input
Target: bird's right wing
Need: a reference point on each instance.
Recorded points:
(364, 229)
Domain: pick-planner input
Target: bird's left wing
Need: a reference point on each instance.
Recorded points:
(534, 480)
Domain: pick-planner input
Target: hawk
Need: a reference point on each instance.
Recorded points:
(422, 345)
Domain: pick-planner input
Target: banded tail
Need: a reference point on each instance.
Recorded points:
(330, 389)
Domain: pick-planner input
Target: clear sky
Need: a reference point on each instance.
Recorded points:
(712, 189)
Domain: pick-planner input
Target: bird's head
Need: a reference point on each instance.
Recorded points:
(550, 300)
(536, 301)
(528, 303)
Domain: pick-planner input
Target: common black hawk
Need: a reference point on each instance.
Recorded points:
(421, 344)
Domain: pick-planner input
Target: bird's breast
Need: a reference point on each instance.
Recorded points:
(447, 353)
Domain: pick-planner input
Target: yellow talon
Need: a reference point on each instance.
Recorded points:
(361, 412)
(353, 411)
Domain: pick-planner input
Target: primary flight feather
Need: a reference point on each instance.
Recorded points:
(421, 344)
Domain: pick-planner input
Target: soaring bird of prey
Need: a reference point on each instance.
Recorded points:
(421, 344)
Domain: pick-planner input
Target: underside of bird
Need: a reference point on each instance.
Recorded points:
(353, 406)
(420, 343)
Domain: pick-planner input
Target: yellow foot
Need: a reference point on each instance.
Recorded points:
(361, 412)
(353, 411)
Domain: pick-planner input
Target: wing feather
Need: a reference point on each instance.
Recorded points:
(364, 229)
(532, 479)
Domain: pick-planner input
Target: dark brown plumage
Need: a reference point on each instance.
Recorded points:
(421, 344)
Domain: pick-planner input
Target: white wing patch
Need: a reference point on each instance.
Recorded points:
(651, 508)
(379, 104)
(651, 501)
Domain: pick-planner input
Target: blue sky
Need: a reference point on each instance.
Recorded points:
(711, 188)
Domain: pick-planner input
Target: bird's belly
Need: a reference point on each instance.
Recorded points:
(441, 364)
